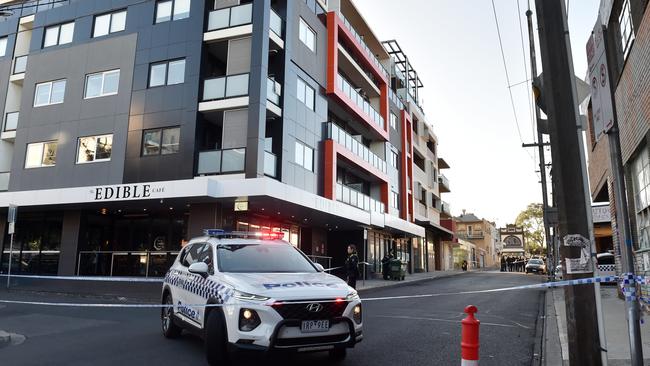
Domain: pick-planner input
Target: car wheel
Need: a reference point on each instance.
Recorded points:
(169, 328)
(215, 339)
(338, 354)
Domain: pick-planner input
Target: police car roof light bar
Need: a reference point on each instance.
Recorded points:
(219, 233)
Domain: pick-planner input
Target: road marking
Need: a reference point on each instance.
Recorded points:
(447, 320)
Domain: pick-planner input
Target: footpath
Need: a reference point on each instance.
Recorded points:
(555, 342)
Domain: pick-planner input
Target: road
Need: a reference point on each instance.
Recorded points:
(415, 331)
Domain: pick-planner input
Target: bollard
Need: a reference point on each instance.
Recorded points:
(469, 338)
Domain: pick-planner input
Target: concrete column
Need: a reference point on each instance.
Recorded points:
(257, 89)
(69, 243)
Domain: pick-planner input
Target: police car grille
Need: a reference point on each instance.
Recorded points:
(308, 341)
(299, 311)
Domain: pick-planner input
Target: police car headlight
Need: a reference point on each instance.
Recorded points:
(249, 297)
(357, 313)
(248, 320)
(352, 295)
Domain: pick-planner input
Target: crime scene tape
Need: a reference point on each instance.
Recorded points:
(582, 281)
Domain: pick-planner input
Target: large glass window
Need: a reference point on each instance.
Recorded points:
(394, 199)
(102, 84)
(626, 28)
(307, 35)
(641, 187)
(58, 34)
(94, 149)
(393, 120)
(305, 94)
(41, 154)
(167, 73)
(304, 156)
(51, 92)
(167, 10)
(161, 141)
(3, 46)
(109, 23)
(393, 159)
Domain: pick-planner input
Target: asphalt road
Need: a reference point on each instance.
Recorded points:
(416, 331)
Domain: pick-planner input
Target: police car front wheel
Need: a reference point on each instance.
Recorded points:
(169, 328)
(215, 339)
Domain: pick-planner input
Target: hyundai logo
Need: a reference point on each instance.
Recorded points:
(314, 308)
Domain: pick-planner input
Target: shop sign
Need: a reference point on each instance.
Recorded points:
(126, 192)
(601, 214)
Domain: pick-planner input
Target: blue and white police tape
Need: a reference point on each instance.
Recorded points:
(577, 282)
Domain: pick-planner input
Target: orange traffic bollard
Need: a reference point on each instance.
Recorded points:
(469, 338)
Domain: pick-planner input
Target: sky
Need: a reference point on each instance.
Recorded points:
(454, 47)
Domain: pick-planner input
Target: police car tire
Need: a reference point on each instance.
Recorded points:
(338, 354)
(215, 339)
(172, 330)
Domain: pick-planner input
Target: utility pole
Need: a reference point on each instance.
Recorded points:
(540, 145)
(569, 176)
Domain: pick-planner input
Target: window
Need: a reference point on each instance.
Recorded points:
(109, 23)
(52, 92)
(393, 120)
(40, 154)
(305, 94)
(304, 156)
(641, 187)
(167, 10)
(102, 84)
(3, 46)
(394, 199)
(393, 159)
(307, 35)
(161, 141)
(626, 28)
(167, 73)
(58, 34)
(94, 149)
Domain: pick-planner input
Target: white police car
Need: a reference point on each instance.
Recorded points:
(273, 298)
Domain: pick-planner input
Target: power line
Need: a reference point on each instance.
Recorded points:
(505, 68)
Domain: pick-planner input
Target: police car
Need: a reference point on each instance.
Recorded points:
(262, 294)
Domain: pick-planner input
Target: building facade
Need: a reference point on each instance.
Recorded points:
(513, 240)
(130, 126)
(481, 233)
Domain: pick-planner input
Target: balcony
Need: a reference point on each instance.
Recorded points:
(231, 22)
(18, 71)
(421, 209)
(369, 54)
(273, 95)
(395, 99)
(445, 208)
(276, 27)
(335, 133)
(270, 164)
(4, 181)
(470, 236)
(221, 161)
(225, 92)
(10, 125)
(360, 103)
(444, 184)
(357, 199)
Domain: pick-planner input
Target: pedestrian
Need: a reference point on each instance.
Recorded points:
(464, 265)
(385, 266)
(503, 264)
(510, 264)
(352, 266)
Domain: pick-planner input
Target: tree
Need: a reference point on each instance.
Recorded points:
(532, 220)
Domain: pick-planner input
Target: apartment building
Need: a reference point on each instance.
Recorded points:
(130, 126)
(481, 233)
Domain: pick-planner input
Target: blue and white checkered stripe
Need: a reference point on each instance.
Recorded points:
(204, 287)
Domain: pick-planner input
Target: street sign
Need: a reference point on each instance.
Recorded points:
(601, 94)
(11, 216)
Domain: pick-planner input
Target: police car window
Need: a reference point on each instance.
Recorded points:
(606, 259)
(204, 254)
(262, 258)
(191, 254)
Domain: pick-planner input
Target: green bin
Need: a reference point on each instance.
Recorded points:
(397, 269)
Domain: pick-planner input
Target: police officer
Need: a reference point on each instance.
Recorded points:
(385, 266)
(352, 266)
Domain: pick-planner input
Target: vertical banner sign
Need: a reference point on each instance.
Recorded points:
(601, 95)
(11, 219)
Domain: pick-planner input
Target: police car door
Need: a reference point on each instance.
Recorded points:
(202, 288)
(187, 284)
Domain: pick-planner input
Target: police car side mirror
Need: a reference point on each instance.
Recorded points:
(199, 268)
(319, 267)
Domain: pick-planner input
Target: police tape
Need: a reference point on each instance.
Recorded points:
(629, 294)
(335, 268)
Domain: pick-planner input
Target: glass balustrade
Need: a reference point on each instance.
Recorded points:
(337, 134)
(273, 91)
(230, 17)
(276, 23)
(357, 199)
(20, 64)
(222, 87)
(221, 161)
(359, 101)
(270, 164)
(364, 46)
(4, 181)
(11, 121)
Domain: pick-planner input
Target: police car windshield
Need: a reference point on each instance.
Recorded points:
(262, 258)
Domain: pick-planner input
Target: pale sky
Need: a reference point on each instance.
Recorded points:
(453, 45)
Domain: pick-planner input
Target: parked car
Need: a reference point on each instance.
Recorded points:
(535, 266)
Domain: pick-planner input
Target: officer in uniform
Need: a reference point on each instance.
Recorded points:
(352, 266)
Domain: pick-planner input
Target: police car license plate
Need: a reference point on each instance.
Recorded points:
(313, 326)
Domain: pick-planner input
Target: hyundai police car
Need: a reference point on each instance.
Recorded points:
(262, 294)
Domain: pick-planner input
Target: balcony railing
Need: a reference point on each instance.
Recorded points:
(4, 181)
(20, 64)
(421, 209)
(233, 16)
(270, 164)
(222, 87)
(343, 138)
(221, 161)
(357, 199)
(276, 23)
(11, 121)
(472, 235)
(365, 47)
(445, 208)
(396, 100)
(443, 180)
(357, 99)
(273, 91)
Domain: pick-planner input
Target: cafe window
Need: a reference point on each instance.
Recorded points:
(162, 141)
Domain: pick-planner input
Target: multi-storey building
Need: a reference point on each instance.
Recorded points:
(130, 126)
(481, 233)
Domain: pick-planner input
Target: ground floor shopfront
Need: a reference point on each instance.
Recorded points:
(78, 234)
